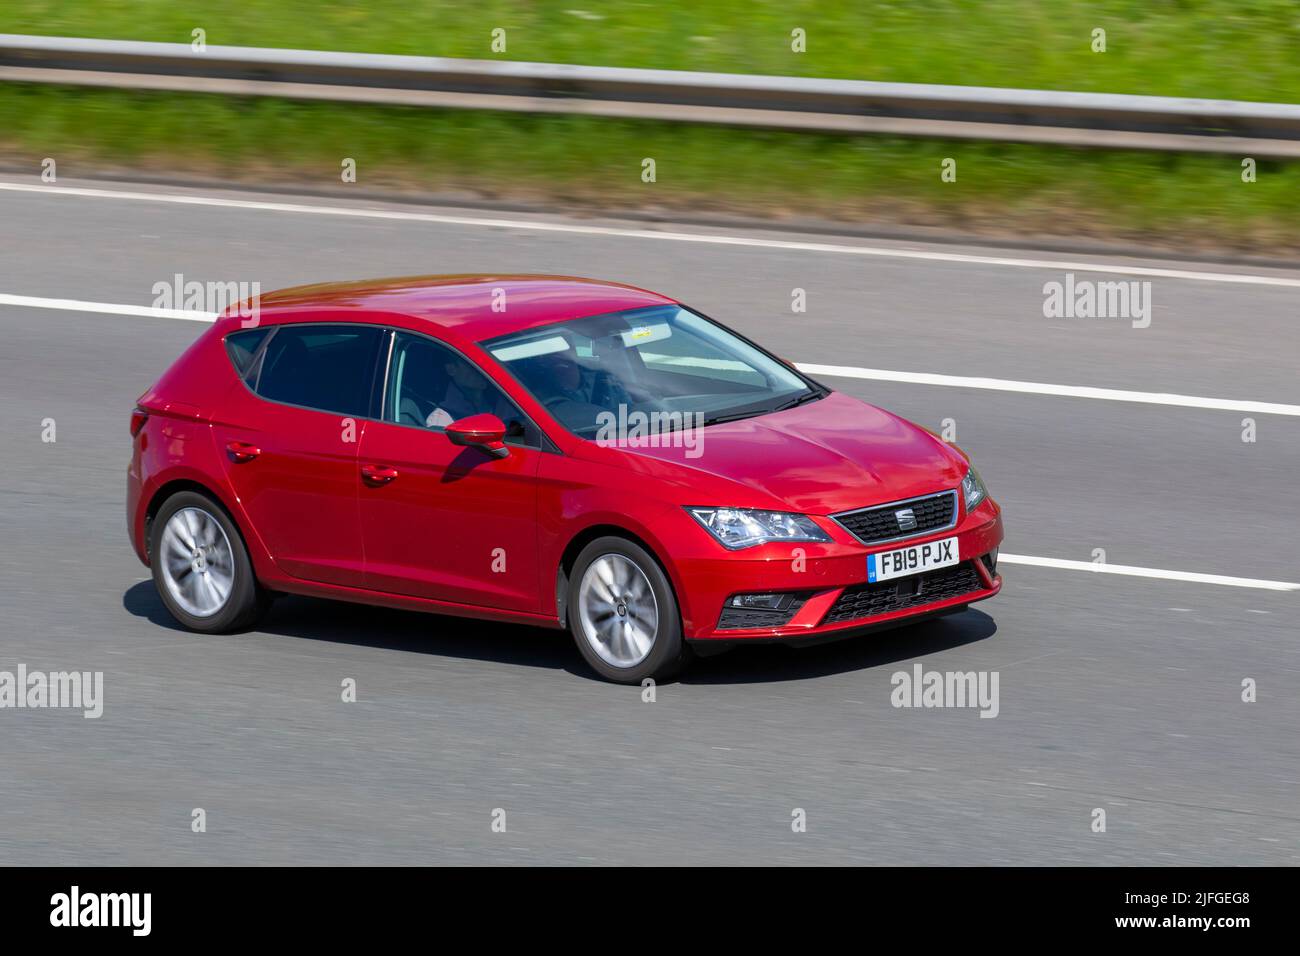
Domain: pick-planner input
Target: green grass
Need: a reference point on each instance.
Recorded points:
(1181, 200)
(1240, 49)
(1234, 49)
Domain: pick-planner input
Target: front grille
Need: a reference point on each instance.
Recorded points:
(881, 523)
(869, 600)
(733, 618)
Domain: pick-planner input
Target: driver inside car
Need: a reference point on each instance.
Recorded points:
(566, 379)
(469, 393)
(577, 393)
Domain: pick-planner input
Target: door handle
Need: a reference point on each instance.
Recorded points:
(242, 451)
(378, 474)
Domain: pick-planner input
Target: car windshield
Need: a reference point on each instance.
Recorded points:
(662, 359)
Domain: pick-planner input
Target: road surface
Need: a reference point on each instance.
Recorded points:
(1118, 692)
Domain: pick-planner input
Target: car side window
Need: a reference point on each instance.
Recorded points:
(431, 386)
(242, 349)
(326, 367)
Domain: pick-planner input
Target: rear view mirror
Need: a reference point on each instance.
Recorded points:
(484, 431)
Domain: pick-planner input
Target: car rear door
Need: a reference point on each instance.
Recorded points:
(289, 434)
(439, 520)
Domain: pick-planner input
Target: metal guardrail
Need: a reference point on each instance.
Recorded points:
(1106, 120)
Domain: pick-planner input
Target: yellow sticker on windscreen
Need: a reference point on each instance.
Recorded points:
(641, 334)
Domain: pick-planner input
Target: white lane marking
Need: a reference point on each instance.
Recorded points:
(1043, 388)
(834, 371)
(1062, 265)
(107, 308)
(1189, 576)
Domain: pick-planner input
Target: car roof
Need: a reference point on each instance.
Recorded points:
(470, 304)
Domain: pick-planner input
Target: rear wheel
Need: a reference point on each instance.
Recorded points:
(623, 614)
(201, 567)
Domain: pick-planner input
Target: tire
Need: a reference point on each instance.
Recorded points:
(642, 641)
(214, 592)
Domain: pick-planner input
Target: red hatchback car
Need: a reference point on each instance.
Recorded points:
(550, 451)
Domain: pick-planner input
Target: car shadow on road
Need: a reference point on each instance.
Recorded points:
(414, 632)
(779, 662)
(342, 622)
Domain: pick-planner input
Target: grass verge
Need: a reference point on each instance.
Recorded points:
(1180, 201)
(1230, 49)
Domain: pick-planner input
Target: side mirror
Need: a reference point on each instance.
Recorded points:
(484, 431)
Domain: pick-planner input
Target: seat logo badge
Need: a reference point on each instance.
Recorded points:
(906, 519)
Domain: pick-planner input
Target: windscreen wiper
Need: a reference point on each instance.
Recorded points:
(799, 400)
(735, 416)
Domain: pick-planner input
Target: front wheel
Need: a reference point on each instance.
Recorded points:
(623, 614)
(201, 568)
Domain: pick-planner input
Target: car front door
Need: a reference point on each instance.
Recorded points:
(439, 520)
(289, 439)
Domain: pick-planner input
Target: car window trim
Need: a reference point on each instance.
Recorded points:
(383, 381)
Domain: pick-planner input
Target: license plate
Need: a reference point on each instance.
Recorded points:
(914, 559)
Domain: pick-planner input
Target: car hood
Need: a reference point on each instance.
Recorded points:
(827, 456)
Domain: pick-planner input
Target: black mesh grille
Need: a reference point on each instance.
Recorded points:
(882, 524)
(869, 600)
(734, 618)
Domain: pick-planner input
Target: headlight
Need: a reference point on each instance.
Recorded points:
(736, 528)
(973, 490)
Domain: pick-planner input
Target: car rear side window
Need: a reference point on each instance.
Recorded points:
(242, 349)
(330, 368)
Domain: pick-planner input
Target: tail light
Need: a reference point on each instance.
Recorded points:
(138, 417)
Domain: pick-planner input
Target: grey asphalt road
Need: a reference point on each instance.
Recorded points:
(1120, 693)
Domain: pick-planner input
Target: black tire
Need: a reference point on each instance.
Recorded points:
(246, 601)
(669, 653)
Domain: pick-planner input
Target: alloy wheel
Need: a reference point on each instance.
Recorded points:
(618, 611)
(198, 566)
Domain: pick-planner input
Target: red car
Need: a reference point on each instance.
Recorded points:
(551, 451)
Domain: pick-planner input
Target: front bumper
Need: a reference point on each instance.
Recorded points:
(828, 588)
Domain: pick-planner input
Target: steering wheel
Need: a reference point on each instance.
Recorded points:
(607, 391)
